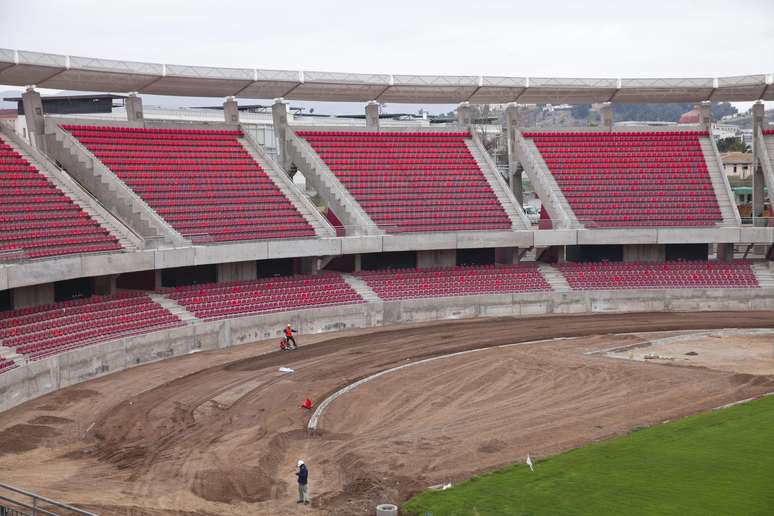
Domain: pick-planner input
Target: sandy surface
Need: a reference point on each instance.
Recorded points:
(219, 433)
(741, 351)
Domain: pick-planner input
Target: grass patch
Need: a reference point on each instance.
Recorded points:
(717, 463)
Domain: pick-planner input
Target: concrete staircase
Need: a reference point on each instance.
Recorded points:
(498, 185)
(100, 181)
(285, 185)
(765, 153)
(11, 354)
(720, 183)
(174, 307)
(545, 185)
(764, 271)
(126, 237)
(554, 278)
(362, 288)
(328, 186)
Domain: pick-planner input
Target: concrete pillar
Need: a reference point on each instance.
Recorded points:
(372, 115)
(279, 113)
(606, 112)
(644, 253)
(513, 116)
(231, 111)
(507, 255)
(725, 252)
(758, 181)
(33, 112)
(157, 280)
(705, 115)
(105, 285)
(35, 295)
(465, 116)
(237, 271)
(358, 263)
(442, 258)
(133, 106)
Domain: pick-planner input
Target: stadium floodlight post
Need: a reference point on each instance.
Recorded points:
(231, 111)
(758, 180)
(133, 107)
(372, 115)
(279, 114)
(33, 114)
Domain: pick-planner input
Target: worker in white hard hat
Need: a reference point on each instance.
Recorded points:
(303, 479)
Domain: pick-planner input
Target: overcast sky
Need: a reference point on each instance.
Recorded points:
(575, 38)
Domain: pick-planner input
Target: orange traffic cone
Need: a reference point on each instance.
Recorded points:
(307, 404)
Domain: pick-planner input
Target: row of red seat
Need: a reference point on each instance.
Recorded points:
(213, 183)
(623, 135)
(382, 170)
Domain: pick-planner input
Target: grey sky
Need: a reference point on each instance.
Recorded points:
(673, 38)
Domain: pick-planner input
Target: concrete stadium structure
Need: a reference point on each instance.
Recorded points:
(149, 242)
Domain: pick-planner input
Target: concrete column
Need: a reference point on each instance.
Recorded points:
(372, 115)
(758, 181)
(725, 252)
(358, 263)
(33, 112)
(442, 258)
(644, 253)
(237, 271)
(133, 106)
(279, 113)
(35, 295)
(507, 255)
(105, 285)
(705, 116)
(606, 112)
(510, 126)
(230, 111)
(465, 116)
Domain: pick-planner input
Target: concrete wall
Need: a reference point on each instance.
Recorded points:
(38, 378)
(237, 271)
(644, 253)
(430, 259)
(33, 295)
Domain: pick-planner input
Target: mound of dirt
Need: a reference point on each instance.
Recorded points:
(22, 438)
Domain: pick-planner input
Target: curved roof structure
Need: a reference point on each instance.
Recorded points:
(24, 68)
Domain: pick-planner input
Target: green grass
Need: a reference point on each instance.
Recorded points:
(718, 463)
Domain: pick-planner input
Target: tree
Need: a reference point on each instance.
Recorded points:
(732, 144)
(581, 111)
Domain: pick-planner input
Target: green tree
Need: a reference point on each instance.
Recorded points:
(732, 144)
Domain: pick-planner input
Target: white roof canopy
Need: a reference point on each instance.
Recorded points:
(23, 68)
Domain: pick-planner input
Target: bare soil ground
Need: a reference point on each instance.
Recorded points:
(219, 433)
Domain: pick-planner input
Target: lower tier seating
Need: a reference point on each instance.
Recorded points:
(6, 365)
(222, 300)
(634, 275)
(455, 281)
(49, 329)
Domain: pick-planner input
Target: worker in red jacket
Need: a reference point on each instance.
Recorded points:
(289, 331)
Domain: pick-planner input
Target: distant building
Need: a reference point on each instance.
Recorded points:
(691, 117)
(737, 164)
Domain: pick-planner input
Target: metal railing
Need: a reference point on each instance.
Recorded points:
(15, 501)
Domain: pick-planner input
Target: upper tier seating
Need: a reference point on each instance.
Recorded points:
(767, 132)
(49, 329)
(632, 275)
(203, 182)
(624, 179)
(412, 181)
(222, 300)
(37, 219)
(455, 281)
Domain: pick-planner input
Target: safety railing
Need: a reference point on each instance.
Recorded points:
(18, 502)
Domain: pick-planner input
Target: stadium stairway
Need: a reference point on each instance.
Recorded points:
(362, 288)
(126, 238)
(562, 216)
(7, 353)
(328, 186)
(765, 273)
(498, 185)
(109, 189)
(765, 153)
(172, 306)
(720, 183)
(285, 185)
(554, 278)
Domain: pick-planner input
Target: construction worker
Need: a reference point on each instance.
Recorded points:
(303, 478)
(289, 331)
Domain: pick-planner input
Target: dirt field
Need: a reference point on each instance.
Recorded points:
(219, 433)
